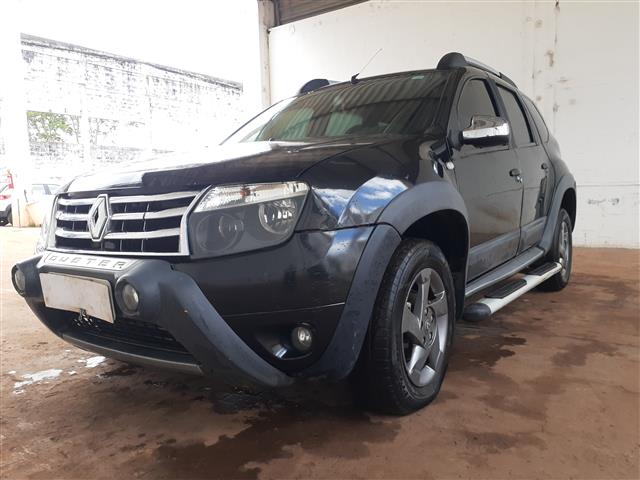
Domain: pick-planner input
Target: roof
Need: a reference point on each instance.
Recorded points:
(33, 40)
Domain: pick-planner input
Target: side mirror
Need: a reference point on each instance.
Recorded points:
(486, 131)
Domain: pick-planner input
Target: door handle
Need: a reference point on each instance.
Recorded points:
(515, 172)
(544, 166)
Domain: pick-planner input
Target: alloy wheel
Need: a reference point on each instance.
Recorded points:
(425, 329)
(564, 249)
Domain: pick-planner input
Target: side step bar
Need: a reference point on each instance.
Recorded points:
(504, 271)
(495, 300)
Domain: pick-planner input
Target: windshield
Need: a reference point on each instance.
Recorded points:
(398, 104)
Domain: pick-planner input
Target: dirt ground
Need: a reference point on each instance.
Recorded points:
(547, 388)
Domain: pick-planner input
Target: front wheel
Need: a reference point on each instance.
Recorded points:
(406, 353)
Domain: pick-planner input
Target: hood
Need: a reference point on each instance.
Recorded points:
(251, 162)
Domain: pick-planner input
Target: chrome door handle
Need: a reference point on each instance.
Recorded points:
(515, 172)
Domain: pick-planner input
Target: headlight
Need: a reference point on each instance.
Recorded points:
(233, 219)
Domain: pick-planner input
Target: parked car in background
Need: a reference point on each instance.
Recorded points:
(6, 191)
(340, 232)
(38, 197)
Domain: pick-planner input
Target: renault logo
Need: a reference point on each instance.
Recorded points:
(99, 217)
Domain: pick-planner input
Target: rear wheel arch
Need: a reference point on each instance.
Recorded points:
(564, 197)
(569, 204)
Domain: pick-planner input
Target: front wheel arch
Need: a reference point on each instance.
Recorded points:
(435, 211)
(447, 229)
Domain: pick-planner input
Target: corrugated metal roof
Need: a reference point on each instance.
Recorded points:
(291, 10)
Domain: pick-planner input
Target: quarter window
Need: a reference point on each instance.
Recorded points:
(537, 119)
(474, 100)
(517, 120)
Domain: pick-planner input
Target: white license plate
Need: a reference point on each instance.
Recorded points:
(73, 294)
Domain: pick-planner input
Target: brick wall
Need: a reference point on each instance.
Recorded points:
(87, 108)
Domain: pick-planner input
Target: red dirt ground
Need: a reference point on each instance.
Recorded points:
(547, 388)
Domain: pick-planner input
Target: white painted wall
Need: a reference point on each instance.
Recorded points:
(579, 61)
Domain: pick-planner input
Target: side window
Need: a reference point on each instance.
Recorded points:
(537, 119)
(52, 189)
(474, 100)
(517, 119)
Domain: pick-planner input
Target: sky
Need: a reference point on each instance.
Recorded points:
(212, 37)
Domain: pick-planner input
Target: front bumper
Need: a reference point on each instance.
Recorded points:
(170, 300)
(328, 280)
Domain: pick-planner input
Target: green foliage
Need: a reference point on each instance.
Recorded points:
(49, 127)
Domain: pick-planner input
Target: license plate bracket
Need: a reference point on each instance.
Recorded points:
(75, 294)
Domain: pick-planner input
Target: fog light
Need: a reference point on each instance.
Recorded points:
(302, 338)
(19, 281)
(130, 298)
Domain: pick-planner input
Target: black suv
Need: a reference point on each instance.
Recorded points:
(342, 231)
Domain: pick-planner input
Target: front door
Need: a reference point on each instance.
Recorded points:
(488, 181)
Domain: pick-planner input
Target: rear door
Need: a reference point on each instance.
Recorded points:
(492, 194)
(534, 167)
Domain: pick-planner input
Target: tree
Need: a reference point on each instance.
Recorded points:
(48, 126)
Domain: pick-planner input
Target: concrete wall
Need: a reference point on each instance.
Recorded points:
(579, 61)
(87, 109)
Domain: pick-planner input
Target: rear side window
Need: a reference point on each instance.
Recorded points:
(519, 126)
(538, 120)
(474, 100)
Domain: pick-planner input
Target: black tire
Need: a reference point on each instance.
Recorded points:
(560, 253)
(7, 220)
(382, 378)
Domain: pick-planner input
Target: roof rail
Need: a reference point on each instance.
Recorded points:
(315, 84)
(458, 60)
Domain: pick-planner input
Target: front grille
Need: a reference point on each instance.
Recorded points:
(130, 224)
(126, 330)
